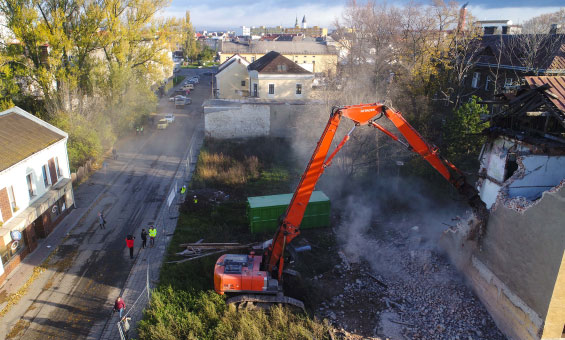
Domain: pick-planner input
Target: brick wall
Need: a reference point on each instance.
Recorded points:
(13, 264)
(5, 205)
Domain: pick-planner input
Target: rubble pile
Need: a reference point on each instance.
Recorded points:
(422, 298)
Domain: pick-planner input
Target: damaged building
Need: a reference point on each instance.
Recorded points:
(517, 268)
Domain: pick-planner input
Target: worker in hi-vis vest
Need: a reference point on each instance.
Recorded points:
(152, 235)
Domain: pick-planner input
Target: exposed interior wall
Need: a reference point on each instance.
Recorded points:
(515, 266)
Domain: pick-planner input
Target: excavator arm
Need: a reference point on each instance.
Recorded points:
(363, 114)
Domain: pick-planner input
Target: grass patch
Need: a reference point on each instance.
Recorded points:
(184, 305)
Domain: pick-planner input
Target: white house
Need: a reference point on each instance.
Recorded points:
(273, 76)
(232, 79)
(35, 184)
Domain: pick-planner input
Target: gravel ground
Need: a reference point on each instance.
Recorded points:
(401, 288)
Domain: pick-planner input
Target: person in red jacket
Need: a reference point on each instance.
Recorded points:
(119, 306)
(129, 244)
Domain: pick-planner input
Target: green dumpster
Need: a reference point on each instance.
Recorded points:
(263, 212)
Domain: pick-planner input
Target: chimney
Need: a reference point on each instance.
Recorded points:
(462, 18)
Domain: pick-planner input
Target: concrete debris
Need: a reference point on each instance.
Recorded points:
(425, 299)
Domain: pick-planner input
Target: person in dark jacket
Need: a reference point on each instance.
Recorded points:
(129, 244)
(101, 220)
(143, 238)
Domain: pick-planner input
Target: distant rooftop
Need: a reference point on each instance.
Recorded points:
(283, 47)
(275, 63)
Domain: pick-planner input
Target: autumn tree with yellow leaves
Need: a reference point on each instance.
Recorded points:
(85, 65)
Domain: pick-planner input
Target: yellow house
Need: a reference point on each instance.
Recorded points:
(311, 55)
(274, 76)
(232, 79)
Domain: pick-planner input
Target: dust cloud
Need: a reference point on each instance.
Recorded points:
(379, 218)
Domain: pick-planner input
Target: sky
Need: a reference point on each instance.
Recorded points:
(230, 14)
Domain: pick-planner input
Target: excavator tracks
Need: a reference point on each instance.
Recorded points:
(264, 301)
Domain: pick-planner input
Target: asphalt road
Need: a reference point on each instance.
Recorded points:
(91, 265)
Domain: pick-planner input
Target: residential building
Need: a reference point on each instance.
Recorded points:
(232, 79)
(517, 266)
(243, 31)
(35, 184)
(313, 56)
(499, 27)
(504, 60)
(274, 76)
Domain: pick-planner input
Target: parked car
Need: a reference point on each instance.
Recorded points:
(162, 124)
(172, 98)
(182, 92)
(188, 87)
(170, 118)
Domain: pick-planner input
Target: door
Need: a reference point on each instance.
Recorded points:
(255, 91)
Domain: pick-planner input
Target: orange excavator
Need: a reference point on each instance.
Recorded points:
(257, 279)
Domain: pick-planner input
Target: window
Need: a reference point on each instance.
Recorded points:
(45, 178)
(12, 198)
(243, 83)
(298, 88)
(508, 82)
(255, 91)
(30, 188)
(487, 83)
(57, 167)
(252, 59)
(476, 80)
(271, 88)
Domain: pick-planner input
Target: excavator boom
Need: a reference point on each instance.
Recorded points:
(243, 274)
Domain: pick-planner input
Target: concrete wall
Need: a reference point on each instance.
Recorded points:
(247, 120)
(229, 81)
(515, 266)
(554, 322)
(524, 249)
(237, 120)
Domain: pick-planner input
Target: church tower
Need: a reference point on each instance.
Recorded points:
(304, 24)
